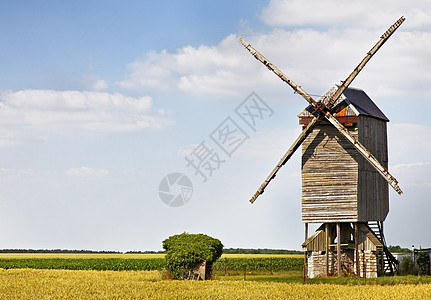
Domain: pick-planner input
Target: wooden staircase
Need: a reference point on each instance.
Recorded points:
(389, 264)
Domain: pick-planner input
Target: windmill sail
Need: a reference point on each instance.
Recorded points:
(322, 110)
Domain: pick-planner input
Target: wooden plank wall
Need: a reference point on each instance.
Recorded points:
(373, 190)
(316, 242)
(329, 177)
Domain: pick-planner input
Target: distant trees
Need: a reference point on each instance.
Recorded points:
(398, 249)
(54, 251)
(260, 251)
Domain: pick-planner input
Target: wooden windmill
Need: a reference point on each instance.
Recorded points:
(344, 176)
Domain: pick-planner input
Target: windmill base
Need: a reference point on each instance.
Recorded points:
(345, 249)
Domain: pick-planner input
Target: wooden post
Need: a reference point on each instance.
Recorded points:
(305, 252)
(338, 250)
(382, 259)
(327, 248)
(357, 251)
(364, 271)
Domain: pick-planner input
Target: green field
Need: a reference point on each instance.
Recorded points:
(227, 264)
(82, 255)
(142, 276)
(132, 255)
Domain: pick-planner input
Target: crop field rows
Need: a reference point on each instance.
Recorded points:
(143, 277)
(56, 284)
(226, 265)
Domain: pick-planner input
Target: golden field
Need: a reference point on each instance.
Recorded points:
(67, 284)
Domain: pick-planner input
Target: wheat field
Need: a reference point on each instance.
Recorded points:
(68, 284)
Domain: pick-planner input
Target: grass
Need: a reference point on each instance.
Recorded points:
(297, 277)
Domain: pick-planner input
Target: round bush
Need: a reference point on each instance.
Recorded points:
(186, 251)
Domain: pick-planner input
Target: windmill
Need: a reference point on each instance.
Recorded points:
(344, 176)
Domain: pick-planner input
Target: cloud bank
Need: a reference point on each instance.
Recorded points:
(36, 114)
(314, 57)
(365, 14)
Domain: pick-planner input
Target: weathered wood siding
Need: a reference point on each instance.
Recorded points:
(338, 184)
(373, 189)
(316, 242)
(329, 176)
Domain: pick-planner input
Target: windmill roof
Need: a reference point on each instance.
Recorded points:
(363, 104)
(353, 102)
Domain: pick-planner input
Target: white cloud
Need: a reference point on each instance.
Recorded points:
(132, 172)
(409, 142)
(409, 148)
(314, 58)
(37, 174)
(35, 114)
(8, 173)
(218, 70)
(409, 165)
(186, 149)
(87, 172)
(366, 13)
(98, 84)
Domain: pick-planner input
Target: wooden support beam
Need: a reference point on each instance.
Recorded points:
(338, 249)
(335, 245)
(305, 252)
(327, 248)
(364, 264)
(357, 251)
(382, 236)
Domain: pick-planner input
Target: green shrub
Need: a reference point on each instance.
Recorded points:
(423, 263)
(407, 267)
(186, 251)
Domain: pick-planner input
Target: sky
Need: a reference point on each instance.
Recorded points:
(115, 117)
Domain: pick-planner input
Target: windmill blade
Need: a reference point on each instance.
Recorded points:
(303, 134)
(370, 54)
(278, 72)
(365, 153)
(286, 157)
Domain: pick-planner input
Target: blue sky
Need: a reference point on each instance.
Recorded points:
(99, 100)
